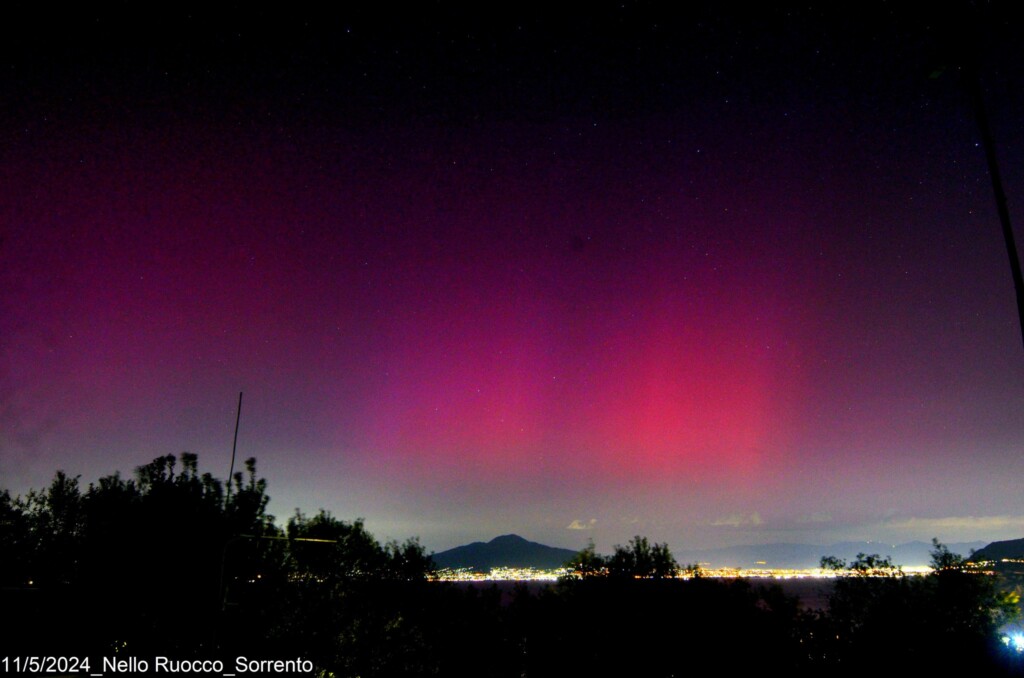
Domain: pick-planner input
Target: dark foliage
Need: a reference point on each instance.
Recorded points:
(877, 614)
(637, 560)
(170, 562)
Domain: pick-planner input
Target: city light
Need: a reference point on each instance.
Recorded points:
(465, 574)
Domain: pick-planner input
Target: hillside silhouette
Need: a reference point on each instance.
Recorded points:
(509, 550)
(1012, 549)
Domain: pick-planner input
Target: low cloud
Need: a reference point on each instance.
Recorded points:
(974, 523)
(816, 518)
(580, 525)
(739, 520)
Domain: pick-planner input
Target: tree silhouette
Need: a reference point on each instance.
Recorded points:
(168, 562)
(877, 613)
(639, 559)
(587, 563)
(16, 539)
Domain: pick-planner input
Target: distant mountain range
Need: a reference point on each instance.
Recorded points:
(511, 550)
(800, 556)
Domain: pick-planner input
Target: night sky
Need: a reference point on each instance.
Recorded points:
(712, 277)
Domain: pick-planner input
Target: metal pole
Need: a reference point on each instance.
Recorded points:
(234, 445)
(974, 85)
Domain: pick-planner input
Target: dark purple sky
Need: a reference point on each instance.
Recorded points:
(713, 278)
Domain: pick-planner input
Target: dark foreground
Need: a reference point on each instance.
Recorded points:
(168, 573)
(593, 627)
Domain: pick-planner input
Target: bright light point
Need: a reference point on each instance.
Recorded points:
(1014, 641)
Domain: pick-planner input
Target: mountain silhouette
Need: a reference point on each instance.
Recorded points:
(997, 550)
(508, 550)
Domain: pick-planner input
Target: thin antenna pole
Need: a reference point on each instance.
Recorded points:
(980, 113)
(234, 445)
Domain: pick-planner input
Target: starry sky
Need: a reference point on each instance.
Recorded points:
(715, 277)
